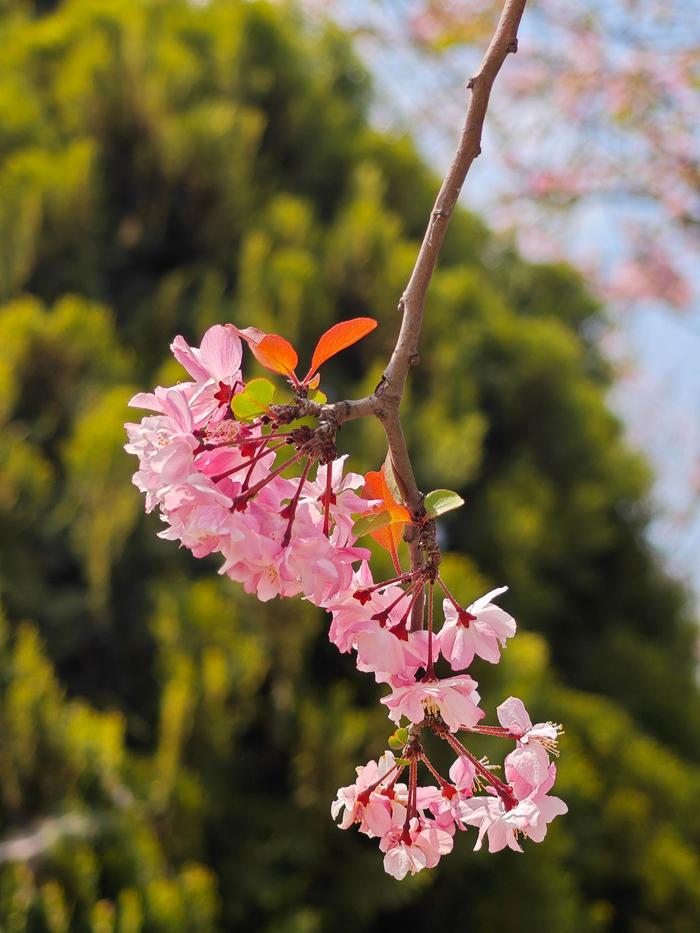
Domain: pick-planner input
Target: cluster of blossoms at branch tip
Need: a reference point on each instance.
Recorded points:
(218, 480)
(260, 482)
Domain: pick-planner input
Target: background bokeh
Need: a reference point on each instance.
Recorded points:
(169, 747)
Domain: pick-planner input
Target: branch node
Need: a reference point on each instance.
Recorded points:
(470, 84)
(401, 306)
(414, 359)
(513, 47)
(440, 212)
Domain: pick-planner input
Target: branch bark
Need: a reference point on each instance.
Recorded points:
(385, 403)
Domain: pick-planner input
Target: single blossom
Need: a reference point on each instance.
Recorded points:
(528, 770)
(481, 629)
(394, 655)
(350, 616)
(343, 502)
(364, 801)
(165, 446)
(411, 849)
(215, 367)
(454, 698)
(501, 826)
(513, 716)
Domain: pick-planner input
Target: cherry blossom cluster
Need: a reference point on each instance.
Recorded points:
(415, 824)
(232, 472)
(217, 481)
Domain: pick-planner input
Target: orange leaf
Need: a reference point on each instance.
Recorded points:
(272, 351)
(337, 338)
(376, 487)
(389, 537)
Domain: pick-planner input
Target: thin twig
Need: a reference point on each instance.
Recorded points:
(386, 400)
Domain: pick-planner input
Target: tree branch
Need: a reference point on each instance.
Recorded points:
(386, 400)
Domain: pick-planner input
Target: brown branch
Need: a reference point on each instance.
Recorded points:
(386, 400)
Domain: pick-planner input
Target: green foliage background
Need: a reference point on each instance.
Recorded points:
(169, 747)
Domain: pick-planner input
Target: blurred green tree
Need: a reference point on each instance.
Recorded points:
(168, 747)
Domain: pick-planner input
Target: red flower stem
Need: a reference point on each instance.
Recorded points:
(448, 594)
(500, 786)
(411, 801)
(373, 787)
(395, 603)
(493, 730)
(392, 782)
(248, 463)
(402, 578)
(295, 501)
(327, 502)
(254, 441)
(254, 490)
(426, 761)
(272, 436)
(430, 669)
(404, 618)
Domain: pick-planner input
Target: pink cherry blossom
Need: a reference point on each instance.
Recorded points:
(165, 447)
(412, 849)
(380, 651)
(513, 716)
(481, 629)
(215, 366)
(454, 698)
(201, 528)
(344, 502)
(324, 571)
(363, 801)
(462, 774)
(350, 617)
(393, 658)
(402, 857)
(501, 826)
(528, 770)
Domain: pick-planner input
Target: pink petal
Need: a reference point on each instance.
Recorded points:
(221, 352)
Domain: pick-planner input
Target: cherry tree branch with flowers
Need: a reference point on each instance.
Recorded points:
(385, 403)
(229, 467)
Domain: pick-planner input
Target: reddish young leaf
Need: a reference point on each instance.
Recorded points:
(391, 535)
(272, 351)
(390, 538)
(277, 354)
(337, 338)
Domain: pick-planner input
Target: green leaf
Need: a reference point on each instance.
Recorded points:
(403, 762)
(373, 522)
(440, 501)
(319, 397)
(398, 738)
(254, 400)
